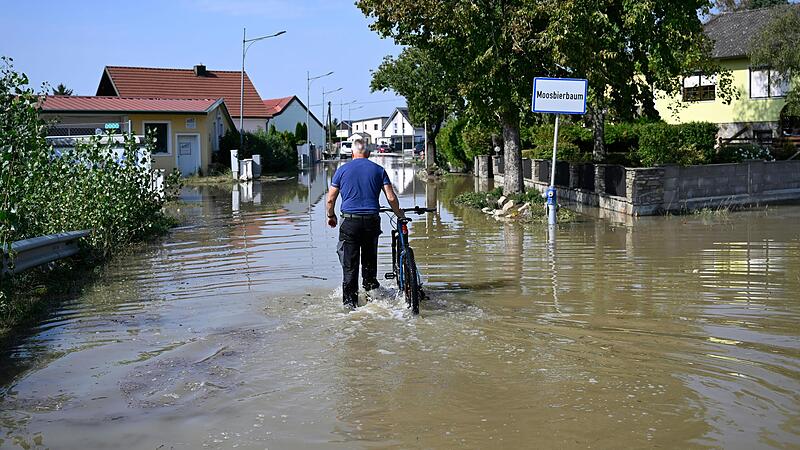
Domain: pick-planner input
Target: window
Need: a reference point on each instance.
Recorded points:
(699, 87)
(766, 83)
(160, 132)
(356, 127)
(376, 126)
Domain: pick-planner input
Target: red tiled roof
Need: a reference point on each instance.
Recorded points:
(127, 104)
(275, 105)
(183, 83)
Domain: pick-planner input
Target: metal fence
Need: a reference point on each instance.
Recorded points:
(33, 252)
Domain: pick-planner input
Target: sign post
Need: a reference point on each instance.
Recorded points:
(557, 96)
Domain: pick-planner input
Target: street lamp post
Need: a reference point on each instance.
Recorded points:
(309, 79)
(325, 124)
(246, 43)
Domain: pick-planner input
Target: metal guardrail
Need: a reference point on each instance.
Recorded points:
(33, 252)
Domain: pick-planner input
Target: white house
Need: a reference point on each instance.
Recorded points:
(373, 127)
(286, 112)
(400, 132)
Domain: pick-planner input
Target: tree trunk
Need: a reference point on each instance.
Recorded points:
(512, 157)
(598, 133)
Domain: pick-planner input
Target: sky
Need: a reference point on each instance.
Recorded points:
(71, 41)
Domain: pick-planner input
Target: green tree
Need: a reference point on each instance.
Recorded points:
(777, 47)
(490, 44)
(635, 49)
(300, 132)
(430, 92)
(61, 89)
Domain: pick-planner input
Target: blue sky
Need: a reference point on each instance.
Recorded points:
(71, 42)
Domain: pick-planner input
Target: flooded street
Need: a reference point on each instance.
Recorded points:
(677, 331)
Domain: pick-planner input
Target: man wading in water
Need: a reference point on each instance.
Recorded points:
(360, 182)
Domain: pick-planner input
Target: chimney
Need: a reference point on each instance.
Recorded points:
(200, 70)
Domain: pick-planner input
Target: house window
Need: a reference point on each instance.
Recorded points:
(699, 87)
(376, 126)
(766, 83)
(356, 127)
(160, 132)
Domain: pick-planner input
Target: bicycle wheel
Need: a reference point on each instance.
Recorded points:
(411, 281)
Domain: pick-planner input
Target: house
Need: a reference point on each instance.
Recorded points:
(372, 127)
(187, 130)
(198, 82)
(757, 113)
(286, 112)
(400, 132)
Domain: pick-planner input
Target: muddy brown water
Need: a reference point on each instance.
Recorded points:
(607, 333)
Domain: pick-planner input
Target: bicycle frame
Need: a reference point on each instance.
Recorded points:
(400, 244)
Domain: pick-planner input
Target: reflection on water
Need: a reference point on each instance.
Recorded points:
(667, 331)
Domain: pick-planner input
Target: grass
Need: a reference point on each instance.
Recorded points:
(226, 177)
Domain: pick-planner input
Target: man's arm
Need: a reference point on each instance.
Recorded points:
(388, 190)
(333, 194)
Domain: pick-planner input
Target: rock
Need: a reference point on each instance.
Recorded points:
(501, 201)
(525, 206)
(487, 210)
(508, 205)
(499, 212)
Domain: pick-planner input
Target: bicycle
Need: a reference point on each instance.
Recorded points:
(404, 266)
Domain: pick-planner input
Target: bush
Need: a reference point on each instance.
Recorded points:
(278, 151)
(450, 145)
(622, 137)
(734, 153)
(477, 140)
(684, 144)
(573, 142)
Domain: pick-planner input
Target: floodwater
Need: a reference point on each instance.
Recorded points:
(607, 333)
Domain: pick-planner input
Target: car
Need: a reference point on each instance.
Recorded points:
(383, 148)
(346, 149)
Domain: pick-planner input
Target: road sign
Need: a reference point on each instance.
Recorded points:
(559, 95)
(342, 133)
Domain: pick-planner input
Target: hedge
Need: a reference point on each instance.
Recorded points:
(684, 144)
(278, 153)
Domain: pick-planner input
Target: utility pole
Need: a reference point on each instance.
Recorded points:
(309, 79)
(246, 43)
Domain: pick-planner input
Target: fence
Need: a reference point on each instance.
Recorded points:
(655, 190)
(33, 252)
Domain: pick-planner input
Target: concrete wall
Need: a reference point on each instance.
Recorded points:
(657, 190)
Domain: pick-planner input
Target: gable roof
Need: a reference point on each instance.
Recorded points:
(275, 106)
(102, 104)
(733, 32)
(401, 110)
(183, 83)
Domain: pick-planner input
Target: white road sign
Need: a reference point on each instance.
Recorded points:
(559, 95)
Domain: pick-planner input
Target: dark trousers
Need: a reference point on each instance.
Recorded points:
(358, 238)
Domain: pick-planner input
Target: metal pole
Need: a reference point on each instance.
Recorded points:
(552, 204)
(308, 106)
(241, 94)
(324, 124)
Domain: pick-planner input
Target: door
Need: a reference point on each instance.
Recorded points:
(188, 154)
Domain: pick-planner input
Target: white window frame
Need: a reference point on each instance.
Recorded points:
(769, 72)
(169, 135)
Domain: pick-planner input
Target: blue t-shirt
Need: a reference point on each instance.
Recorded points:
(360, 183)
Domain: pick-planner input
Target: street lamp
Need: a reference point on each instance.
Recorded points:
(341, 113)
(309, 79)
(325, 126)
(246, 43)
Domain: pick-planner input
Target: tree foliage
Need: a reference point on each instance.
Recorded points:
(430, 91)
(61, 89)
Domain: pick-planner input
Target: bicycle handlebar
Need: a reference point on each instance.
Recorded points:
(416, 209)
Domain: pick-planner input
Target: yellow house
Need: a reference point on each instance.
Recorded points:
(757, 112)
(186, 130)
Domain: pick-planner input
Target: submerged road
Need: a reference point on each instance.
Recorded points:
(228, 333)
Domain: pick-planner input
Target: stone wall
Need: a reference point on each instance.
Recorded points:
(657, 190)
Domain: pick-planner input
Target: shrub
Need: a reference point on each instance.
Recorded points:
(277, 149)
(573, 142)
(622, 137)
(100, 184)
(477, 140)
(449, 143)
(684, 144)
(734, 153)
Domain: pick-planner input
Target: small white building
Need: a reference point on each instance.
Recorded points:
(399, 132)
(372, 126)
(286, 112)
